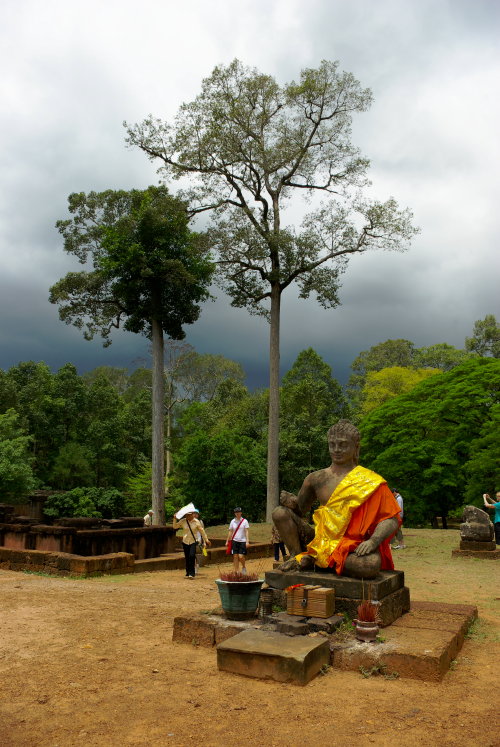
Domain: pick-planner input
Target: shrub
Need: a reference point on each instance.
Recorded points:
(97, 503)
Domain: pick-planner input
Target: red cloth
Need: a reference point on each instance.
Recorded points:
(379, 506)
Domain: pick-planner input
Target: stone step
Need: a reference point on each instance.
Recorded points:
(268, 655)
(168, 562)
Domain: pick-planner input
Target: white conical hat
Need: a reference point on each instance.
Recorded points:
(189, 509)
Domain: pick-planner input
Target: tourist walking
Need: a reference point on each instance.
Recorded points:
(148, 519)
(199, 540)
(495, 506)
(185, 519)
(237, 540)
(278, 544)
(400, 545)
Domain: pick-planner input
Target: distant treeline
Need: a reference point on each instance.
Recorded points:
(429, 419)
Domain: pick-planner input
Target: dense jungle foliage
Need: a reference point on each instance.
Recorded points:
(89, 437)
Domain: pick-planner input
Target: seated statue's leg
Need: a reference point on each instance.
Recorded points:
(365, 566)
(295, 533)
(307, 563)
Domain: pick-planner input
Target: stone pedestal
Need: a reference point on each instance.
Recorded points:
(474, 545)
(477, 536)
(387, 588)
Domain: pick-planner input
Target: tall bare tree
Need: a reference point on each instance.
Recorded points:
(248, 144)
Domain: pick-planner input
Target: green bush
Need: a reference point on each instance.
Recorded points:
(97, 503)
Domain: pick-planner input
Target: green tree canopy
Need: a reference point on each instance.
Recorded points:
(16, 476)
(149, 273)
(382, 355)
(485, 338)
(147, 264)
(482, 468)
(311, 401)
(387, 383)
(396, 354)
(442, 356)
(431, 443)
(222, 470)
(97, 503)
(117, 376)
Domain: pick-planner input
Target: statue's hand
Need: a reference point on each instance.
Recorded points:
(289, 500)
(366, 547)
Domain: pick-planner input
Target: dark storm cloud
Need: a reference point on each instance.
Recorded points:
(73, 71)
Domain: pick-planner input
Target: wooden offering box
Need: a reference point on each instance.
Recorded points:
(310, 601)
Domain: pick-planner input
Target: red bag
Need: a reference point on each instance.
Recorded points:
(230, 543)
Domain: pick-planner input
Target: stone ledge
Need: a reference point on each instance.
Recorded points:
(207, 630)
(65, 564)
(390, 608)
(484, 554)
(386, 582)
(166, 562)
(215, 555)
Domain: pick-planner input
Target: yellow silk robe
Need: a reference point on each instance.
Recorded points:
(332, 519)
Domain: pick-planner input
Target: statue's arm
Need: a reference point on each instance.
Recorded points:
(385, 529)
(306, 496)
(301, 503)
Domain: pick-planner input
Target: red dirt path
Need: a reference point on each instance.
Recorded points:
(91, 662)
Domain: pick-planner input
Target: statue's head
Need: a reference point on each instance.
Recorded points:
(344, 436)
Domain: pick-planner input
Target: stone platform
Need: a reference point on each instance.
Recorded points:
(420, 645)
(387, 589)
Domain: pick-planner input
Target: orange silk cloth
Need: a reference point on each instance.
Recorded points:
(359, 502)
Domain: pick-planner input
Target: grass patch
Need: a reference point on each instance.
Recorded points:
(379, 670)
(344, 632)
(53, 575)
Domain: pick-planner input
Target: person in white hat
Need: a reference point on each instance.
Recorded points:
(148, 519)
(185, 519)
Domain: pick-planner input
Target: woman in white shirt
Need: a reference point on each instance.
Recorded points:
(238, 536)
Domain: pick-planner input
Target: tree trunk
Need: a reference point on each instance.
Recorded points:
(274, 405)
(158, 394)
(168, 452)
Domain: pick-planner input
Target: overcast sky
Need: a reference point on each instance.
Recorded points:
(72, 71)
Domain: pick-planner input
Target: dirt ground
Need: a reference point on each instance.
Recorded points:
(91, 662)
